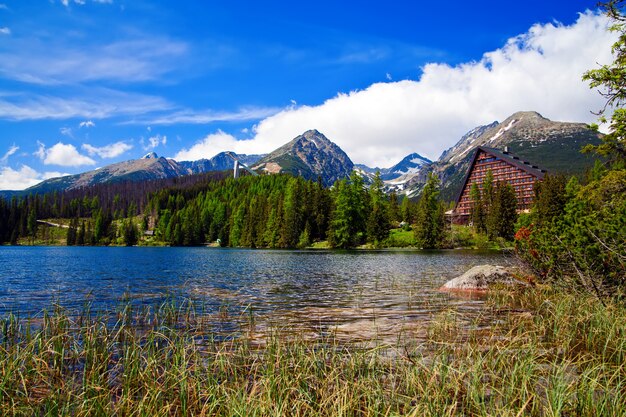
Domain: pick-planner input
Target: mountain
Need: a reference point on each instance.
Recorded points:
(410, 164)
(219, 162)
(554, 146)
(310, 155)
(149, 167)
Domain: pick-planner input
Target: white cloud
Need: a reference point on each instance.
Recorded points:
(540, 70)
(109, 151)
(12, 179)
(87, 123)
(41, 151)
(62, 154)
(66, 131)
(12, 149)
(5, 31)
(66, 3)
(215, 143)
(153, 142)
(210, 116)
(97, 103)
(56, 60)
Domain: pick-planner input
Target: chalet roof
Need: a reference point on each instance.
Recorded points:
(513, 160)
(505, 156)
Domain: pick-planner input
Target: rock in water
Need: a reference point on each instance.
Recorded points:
(481, 278)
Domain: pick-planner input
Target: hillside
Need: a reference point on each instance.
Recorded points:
(310, 155)
(554, 146)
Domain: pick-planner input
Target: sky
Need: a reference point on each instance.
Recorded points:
(87, 83)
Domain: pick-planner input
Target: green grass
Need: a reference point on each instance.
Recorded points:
(550, 354)
(400, 238)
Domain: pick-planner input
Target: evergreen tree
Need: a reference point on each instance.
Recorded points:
(550, 199)
(130, 235)
(393, 210)
(80, 238)
(502, 213)
(406, 210)
(430, 216)
(32, 224)
(378, 224)
(478, 210)
(347, 228)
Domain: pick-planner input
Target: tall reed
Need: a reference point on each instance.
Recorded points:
(548, 354)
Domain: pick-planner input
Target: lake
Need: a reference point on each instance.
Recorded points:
(352, 292)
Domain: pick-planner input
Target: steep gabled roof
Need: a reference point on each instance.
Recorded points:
(505, 156)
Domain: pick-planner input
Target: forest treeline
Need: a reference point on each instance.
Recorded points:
(269, 211)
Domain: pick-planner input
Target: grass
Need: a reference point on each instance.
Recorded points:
(549, 354)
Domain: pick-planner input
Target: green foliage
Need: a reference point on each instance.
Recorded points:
(378, 223)
(347, 226)
(502, 213)
(610, 79)
(550, 199)
(585, 246)
(477, 215)
(580, 242)
(430, 216)
(130, 234)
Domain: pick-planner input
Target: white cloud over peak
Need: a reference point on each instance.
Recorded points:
(218, 142)
(153, 142)
(62, 154)
(109, 151)
(539, 70)
(24, 177)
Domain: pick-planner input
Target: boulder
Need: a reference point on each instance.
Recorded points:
(481, 278)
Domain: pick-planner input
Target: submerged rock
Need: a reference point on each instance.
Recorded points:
(481, 278)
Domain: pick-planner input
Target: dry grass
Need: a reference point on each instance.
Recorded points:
(551, 354)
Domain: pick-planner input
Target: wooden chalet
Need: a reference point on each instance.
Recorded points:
(505, 167)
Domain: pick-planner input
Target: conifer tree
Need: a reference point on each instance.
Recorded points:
(430, 215)
(478, 209)
(378, 220)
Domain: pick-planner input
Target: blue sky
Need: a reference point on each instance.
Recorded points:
(85, 83)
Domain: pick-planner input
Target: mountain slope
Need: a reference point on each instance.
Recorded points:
(554, 146)
(219, 162)
(150, 167)
(309, 155)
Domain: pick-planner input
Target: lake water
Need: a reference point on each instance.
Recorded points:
(351, 292)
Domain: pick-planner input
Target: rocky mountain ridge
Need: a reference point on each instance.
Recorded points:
(310, 155)
(551, 145)
(554, 146)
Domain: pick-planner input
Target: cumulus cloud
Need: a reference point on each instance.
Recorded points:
(109, 151)
(219, 142)
(539, 70)
(12, 149)
(24, 177)
(5, 31)
(62, 154)
(86, 123)
(153, 142)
